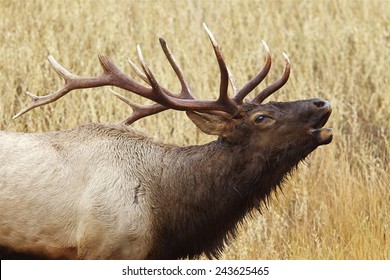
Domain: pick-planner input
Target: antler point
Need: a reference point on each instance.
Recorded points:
(16, 116)
(52, 60)
(286, 57)
(21, 112)
(265, 46)
(31, 95)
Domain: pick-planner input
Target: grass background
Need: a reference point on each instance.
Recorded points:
(337, 206)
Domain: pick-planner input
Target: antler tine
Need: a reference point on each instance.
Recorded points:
(161, 97)
(223, 91)
(256, 80)
(185, 88)
(138, 71)
(233, 82)
(139, 111)
(276, 85)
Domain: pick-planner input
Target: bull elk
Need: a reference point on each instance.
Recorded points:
(111, 192)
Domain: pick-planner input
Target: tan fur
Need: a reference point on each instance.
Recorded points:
(60, 205)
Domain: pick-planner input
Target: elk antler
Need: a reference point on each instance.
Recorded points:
(165, 99)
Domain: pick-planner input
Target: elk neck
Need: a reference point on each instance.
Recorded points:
(208, 190)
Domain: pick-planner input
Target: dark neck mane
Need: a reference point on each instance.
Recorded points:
(207, 191)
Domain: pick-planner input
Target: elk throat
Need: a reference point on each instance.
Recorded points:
(207, 191)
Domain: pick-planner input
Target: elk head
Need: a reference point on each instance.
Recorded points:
(269, 126)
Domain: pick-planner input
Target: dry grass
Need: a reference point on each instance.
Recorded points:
(337, 206)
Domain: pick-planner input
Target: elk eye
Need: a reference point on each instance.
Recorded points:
(260, 118)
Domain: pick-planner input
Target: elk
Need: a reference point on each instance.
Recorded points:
(102, 191)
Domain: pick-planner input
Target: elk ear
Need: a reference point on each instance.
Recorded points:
(209, 124)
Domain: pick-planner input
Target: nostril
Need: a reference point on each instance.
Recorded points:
(319, 103)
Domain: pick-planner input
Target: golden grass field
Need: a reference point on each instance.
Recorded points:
(337, 205)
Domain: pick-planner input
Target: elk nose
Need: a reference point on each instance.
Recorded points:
(321, 103)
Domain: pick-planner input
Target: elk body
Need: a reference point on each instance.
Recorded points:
(110, 192)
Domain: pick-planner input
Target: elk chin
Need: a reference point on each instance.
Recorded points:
(323, 136)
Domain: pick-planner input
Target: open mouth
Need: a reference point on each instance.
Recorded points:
(322, 135)
(322, 121)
